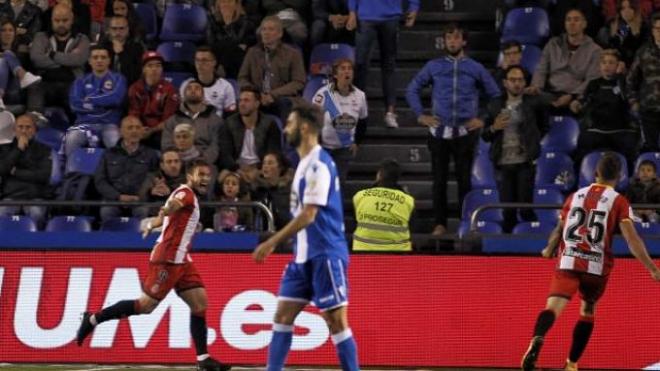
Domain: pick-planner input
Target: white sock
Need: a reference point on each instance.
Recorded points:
(341, 336)
(202, 357)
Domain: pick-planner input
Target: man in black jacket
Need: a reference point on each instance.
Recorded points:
(123, 168)
(25, 167)
(126, 52)
(511, 127)
(247, 136)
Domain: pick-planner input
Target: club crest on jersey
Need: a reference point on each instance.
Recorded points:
(107, 85)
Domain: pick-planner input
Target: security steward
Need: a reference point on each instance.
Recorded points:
(383, 213)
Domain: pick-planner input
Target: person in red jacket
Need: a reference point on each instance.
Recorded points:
(152, 98)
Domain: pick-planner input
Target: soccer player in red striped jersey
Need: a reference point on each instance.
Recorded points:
(170, 267)
(584, 233)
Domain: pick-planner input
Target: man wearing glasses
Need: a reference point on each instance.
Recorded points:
(126, 52)
(218, 92)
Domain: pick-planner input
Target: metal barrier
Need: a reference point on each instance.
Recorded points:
(514, 205)
(252, 204)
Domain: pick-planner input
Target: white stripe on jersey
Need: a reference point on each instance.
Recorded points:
(302, 249)
(188, 233)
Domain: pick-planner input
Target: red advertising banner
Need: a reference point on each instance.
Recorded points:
(404, 311)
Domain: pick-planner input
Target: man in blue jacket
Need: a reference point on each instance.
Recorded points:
(379, 19)
(97, 100)
(454, 123)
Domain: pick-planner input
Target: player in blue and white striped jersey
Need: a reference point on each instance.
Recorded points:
(318, 271)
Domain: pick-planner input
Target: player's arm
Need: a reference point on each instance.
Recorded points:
(553, 241)
(305, 218)
(170, 207)
(637, 247)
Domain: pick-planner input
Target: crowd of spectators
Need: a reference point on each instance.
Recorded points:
(92, 60)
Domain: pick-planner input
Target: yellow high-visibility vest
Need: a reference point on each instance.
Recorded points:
(382, 216)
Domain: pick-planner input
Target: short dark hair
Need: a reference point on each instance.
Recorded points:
(514, 67)
(609, 167)
(510, 44)
(194, 164)
(389, 173)
(310, 114)
(99, 47)
(576, 10)
(168, 149)
(452, 27)
(655, 17)
(648, 163)
(205, 49)
(250, 89)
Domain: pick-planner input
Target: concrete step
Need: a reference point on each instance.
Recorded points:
(374, 153)
(405, 116)
(420, 40)
(458, 6)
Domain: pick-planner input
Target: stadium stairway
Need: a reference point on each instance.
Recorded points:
(408, 143)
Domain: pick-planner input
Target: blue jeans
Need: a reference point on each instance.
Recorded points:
(87, 135)
(9, 63)
(387, 33)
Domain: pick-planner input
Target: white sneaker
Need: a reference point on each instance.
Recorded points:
(29, 79)
(390, 120)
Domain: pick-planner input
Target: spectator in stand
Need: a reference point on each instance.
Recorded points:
(124, 8)
(606, 122)
(273, 187)
(126, 52)
(232, 218)
(247, 136)
(644, 89)
(161, 5)
(97, 15)
(201, 116)
(97, 100)
(379, 20)
(121, 172)
(330, 20)
(82, 18)
(512, 129)
(277, 70)
(611, 8)
(511, 56)
(625, 33)
(27, 18)
(184, 142)
(218, 92)
(159, 184)
(292, 13)
(230, 33)
(345, 116)
(567, 64)
(152, 99)
(25, 170)
(13, 77)
(9, 42)
(644, 188)
(457, 81)
(59, 58)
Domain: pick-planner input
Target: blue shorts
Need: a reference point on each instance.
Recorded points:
(321, 280)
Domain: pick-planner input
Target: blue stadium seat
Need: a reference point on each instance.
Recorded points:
(562, 136)
(482, 227)
(548, 196)
(20, 223)
(147, 14)
(313, 85)
(483, 172)
(184, 22)
(324, 55)
(177, 78)
(526, 25)
(57, 118)
(84, 161)
(122, 224)
(56, 168)
(178, 55)
(648, 229)
(588, 170)
(530, 57)
(534, 228)
(651, 156)
(483, 147)
(69, 223)
(50, 137)
(555, 170)
(478, 197)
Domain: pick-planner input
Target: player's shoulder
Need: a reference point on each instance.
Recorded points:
(183, 192)
(319, 96)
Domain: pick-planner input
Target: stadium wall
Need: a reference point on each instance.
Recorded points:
(404, 310)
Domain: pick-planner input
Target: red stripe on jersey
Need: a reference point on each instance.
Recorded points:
(590, 203)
